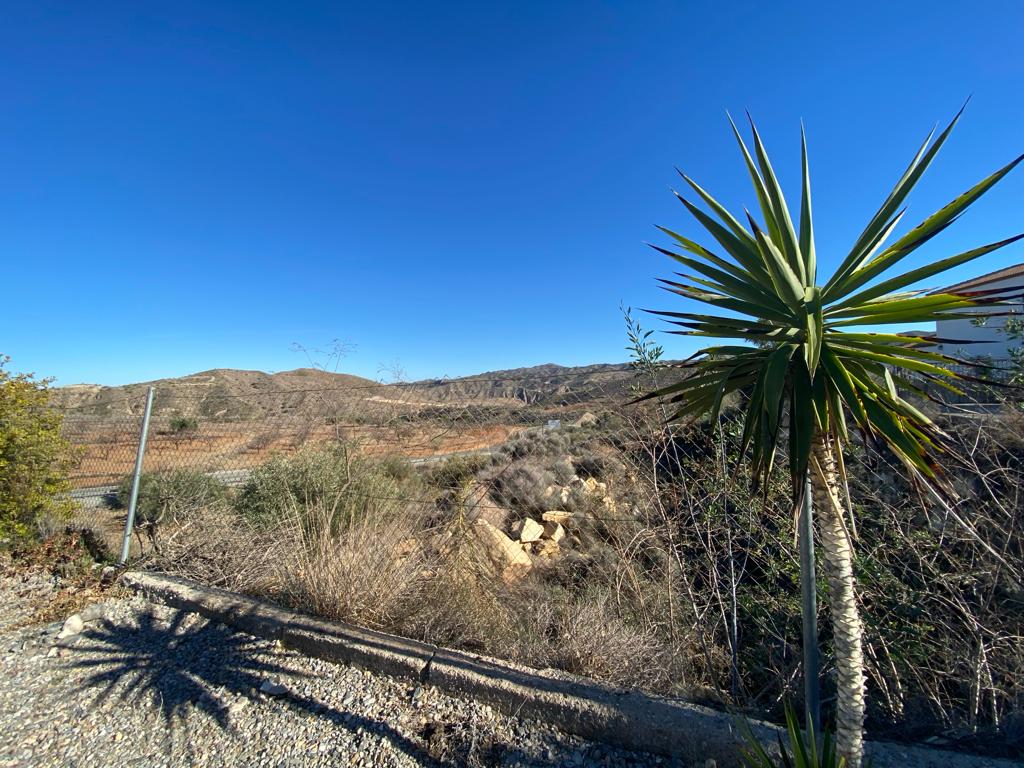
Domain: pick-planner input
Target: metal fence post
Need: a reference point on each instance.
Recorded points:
(130, 522)
(808, 588)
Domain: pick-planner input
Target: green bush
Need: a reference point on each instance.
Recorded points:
(330, 482)
(398, 468)
(457, 471)
(179, 491)
(181, 424)
(34, 457)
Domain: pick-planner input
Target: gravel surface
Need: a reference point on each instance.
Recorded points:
(135, 684)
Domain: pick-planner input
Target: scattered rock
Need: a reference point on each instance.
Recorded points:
(273, 688)
(586, 420)
(553, 530)
(406, 546)
(557, 516)
(506, 555)
(527, 530)
(548, 549)
(72, 626)
(92, 612)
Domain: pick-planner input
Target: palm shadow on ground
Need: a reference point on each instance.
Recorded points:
(185, 666)
(189, 668)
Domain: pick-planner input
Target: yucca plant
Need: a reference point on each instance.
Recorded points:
(801, 752)
(801, 353)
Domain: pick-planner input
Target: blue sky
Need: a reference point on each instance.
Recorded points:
(452, 187)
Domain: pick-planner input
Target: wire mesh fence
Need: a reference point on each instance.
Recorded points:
(548, 521)
(225, 436)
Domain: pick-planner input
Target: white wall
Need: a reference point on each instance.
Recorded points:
(994, 342)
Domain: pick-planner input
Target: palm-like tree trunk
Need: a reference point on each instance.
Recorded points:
(837, 551)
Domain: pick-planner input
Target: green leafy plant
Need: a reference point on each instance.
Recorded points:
(800, 353)
(800, 753)
(457, 472)
(179, 491)
(332, 483)
(34, 456)
(645, 354)
(181, 424)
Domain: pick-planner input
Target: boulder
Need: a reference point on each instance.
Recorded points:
(527, 530)
(508, 557)
(553, 531)
(93, 612)
(479, 504)
(586, 420)
(557, 516)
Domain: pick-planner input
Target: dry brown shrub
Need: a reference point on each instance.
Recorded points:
(369, 572)
(215, 546)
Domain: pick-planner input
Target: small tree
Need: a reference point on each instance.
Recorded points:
(182, 427)
(181, 424)
(34, 457)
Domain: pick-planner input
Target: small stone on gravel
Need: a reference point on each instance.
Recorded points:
(272, 688)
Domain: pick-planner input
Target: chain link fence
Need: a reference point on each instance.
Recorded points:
(225, 436)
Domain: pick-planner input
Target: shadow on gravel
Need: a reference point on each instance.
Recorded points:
(187, 669)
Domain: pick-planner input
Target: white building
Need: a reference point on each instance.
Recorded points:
(988, 332)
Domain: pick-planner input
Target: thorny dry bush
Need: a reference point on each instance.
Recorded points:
(679, 581)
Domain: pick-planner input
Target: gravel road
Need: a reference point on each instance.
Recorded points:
(143, 685)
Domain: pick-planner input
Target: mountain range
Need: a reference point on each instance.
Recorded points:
(230, 393)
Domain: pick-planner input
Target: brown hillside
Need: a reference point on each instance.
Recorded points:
(221, 393)
(233, 395)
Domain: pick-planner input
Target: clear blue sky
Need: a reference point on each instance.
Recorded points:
(455, 187)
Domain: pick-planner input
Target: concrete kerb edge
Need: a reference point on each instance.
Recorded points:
(577, 705)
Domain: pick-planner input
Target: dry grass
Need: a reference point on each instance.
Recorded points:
(213, 545)
(370, 572)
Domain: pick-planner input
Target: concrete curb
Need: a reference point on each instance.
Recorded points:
(577, 705)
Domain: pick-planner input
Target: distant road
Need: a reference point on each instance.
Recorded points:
(96, 496)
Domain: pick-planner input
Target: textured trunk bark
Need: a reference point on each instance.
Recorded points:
(837, 551)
